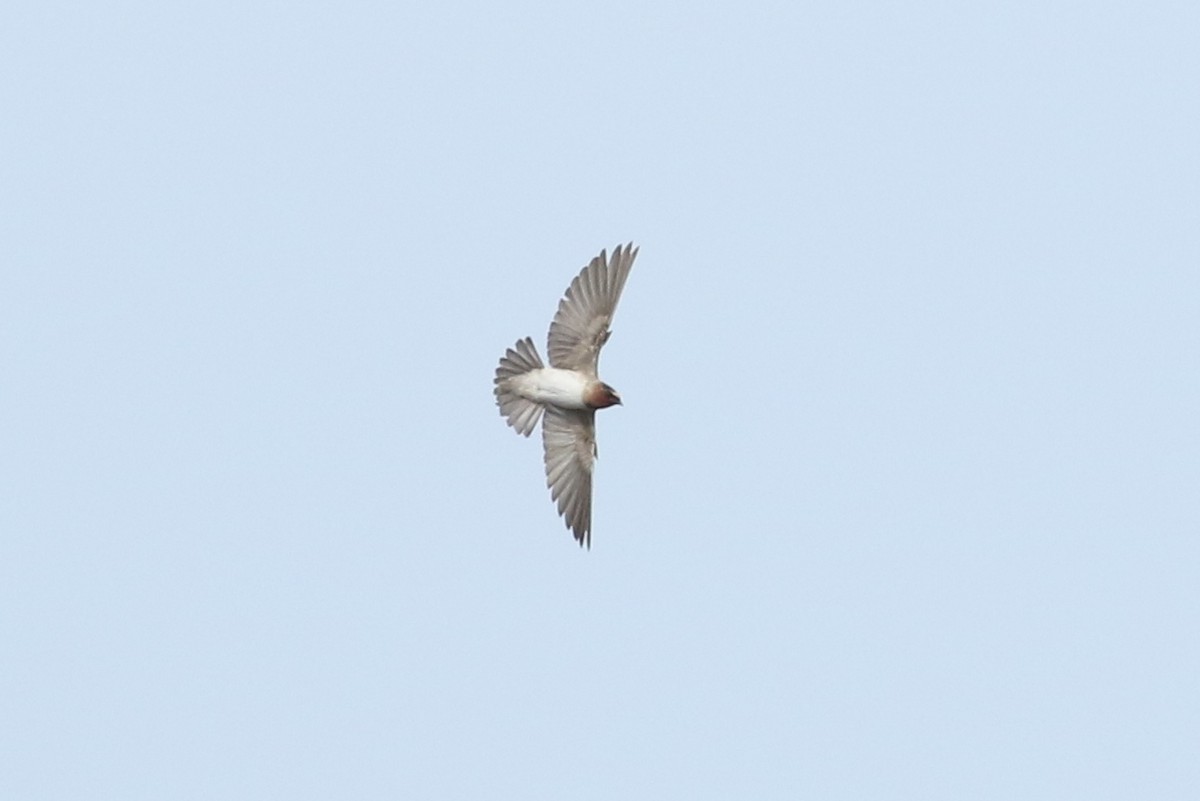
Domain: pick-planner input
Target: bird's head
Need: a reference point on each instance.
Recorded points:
(601, 396)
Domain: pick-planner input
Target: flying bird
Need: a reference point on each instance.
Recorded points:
(566, 395)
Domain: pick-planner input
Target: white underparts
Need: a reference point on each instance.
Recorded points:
(552, 386)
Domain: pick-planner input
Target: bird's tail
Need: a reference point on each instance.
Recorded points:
(521, 413)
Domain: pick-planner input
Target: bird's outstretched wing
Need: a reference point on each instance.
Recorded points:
(569, 436)
(580, 326)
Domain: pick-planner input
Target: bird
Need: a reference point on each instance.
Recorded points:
(566, 395)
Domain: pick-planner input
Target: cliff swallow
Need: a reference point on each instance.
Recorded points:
(566, 395)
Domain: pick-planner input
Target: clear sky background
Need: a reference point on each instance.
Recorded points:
(903, 500)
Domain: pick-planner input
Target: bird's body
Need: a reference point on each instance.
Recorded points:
(566, 389)
(566, 395)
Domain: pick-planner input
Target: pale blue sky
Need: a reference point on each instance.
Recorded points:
(902, 503)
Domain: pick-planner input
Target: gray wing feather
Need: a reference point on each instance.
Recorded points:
(581, 325)
(569, 437)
